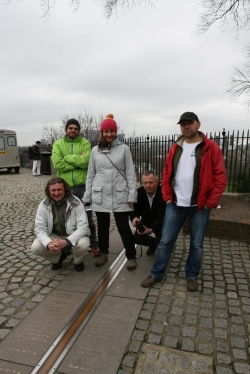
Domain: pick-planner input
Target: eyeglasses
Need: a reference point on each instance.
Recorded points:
(73, 128)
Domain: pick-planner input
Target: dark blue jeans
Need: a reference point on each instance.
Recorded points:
(175, 217)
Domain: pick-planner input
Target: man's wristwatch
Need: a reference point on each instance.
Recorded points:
(68, 247)
(68, 242)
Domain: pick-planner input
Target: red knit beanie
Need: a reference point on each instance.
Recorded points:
(108, 124)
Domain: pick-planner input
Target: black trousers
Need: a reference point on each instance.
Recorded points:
(79, 192)
(148, 240)
(122, 223)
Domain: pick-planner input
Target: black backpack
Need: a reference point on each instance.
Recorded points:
(31, 154)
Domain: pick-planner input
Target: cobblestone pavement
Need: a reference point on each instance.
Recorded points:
(213, 322)
(177, 332)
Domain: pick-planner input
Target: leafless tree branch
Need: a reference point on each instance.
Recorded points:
(232, 15)
(110, 6)
(239, 82)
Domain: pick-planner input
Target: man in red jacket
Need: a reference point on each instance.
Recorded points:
(194, 179)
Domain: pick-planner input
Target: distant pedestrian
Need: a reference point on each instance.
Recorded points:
(70, 157)
(194, 179)
(61, 226)
(36, 150)
(111, 187)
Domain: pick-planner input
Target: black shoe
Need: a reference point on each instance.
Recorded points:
(79, 267)
(150, 251)
(59, 264)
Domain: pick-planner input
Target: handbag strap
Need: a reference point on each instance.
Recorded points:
(116, 167)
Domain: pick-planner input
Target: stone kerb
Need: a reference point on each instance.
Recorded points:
(223, 229)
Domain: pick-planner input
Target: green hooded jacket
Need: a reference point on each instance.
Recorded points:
(68, 160)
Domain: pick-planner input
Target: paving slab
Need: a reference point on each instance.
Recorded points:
(31, 339)
(166, 360)
(100, 347)
(87, 279)
(128, 282)
(14, 369)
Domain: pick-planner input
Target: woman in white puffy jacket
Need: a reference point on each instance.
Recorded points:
(111, 187)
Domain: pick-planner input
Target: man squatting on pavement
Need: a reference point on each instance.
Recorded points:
(70, 157)
(150, 207)
(194, 178)
(61, 226)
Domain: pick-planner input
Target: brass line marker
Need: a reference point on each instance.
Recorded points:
(54, 356)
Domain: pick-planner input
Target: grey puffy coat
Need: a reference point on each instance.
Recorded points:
(106, 189)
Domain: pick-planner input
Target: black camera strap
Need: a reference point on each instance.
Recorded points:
(138, 258)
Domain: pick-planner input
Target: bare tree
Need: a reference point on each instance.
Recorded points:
(110, 6)
(89, 127)
(51, 133)
(230, 14)
(239, 82)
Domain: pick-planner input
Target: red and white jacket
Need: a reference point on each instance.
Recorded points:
(212, 174)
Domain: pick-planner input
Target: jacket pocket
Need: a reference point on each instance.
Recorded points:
(121, 195)
(97, 195)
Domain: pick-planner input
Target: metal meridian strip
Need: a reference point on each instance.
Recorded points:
(62, 344)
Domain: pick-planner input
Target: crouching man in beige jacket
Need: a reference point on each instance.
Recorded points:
(61, 226)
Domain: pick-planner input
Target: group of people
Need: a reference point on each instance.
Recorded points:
(194, 179)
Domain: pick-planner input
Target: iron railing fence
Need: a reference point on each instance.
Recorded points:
(150, 153)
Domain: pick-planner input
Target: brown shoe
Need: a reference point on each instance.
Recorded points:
(192, 285)
(150, 281)
(103, 257)
(131, 264)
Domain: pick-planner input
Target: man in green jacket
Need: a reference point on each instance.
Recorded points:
(70, 157)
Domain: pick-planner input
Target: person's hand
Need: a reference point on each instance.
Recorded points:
(61, 243)
(130, 204)
(169, 201)
(147, 231)
(53, 246)
(57, 244)
(84, 153)
(206, 207)
(134, 221)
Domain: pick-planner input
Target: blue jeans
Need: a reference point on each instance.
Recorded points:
(175, 217)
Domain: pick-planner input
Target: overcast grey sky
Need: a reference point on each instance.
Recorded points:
(147, 67)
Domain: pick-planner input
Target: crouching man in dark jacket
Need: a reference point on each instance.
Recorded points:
(61, 226)
(148, 212)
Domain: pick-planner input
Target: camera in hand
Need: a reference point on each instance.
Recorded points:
(139, 226)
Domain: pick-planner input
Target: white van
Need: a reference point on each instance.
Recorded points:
(9, 153)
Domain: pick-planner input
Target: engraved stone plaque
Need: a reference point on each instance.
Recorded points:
(87, 279)
(30, 340)
(11, 368)
(158, 359)
(128, 282)
(101, 345)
